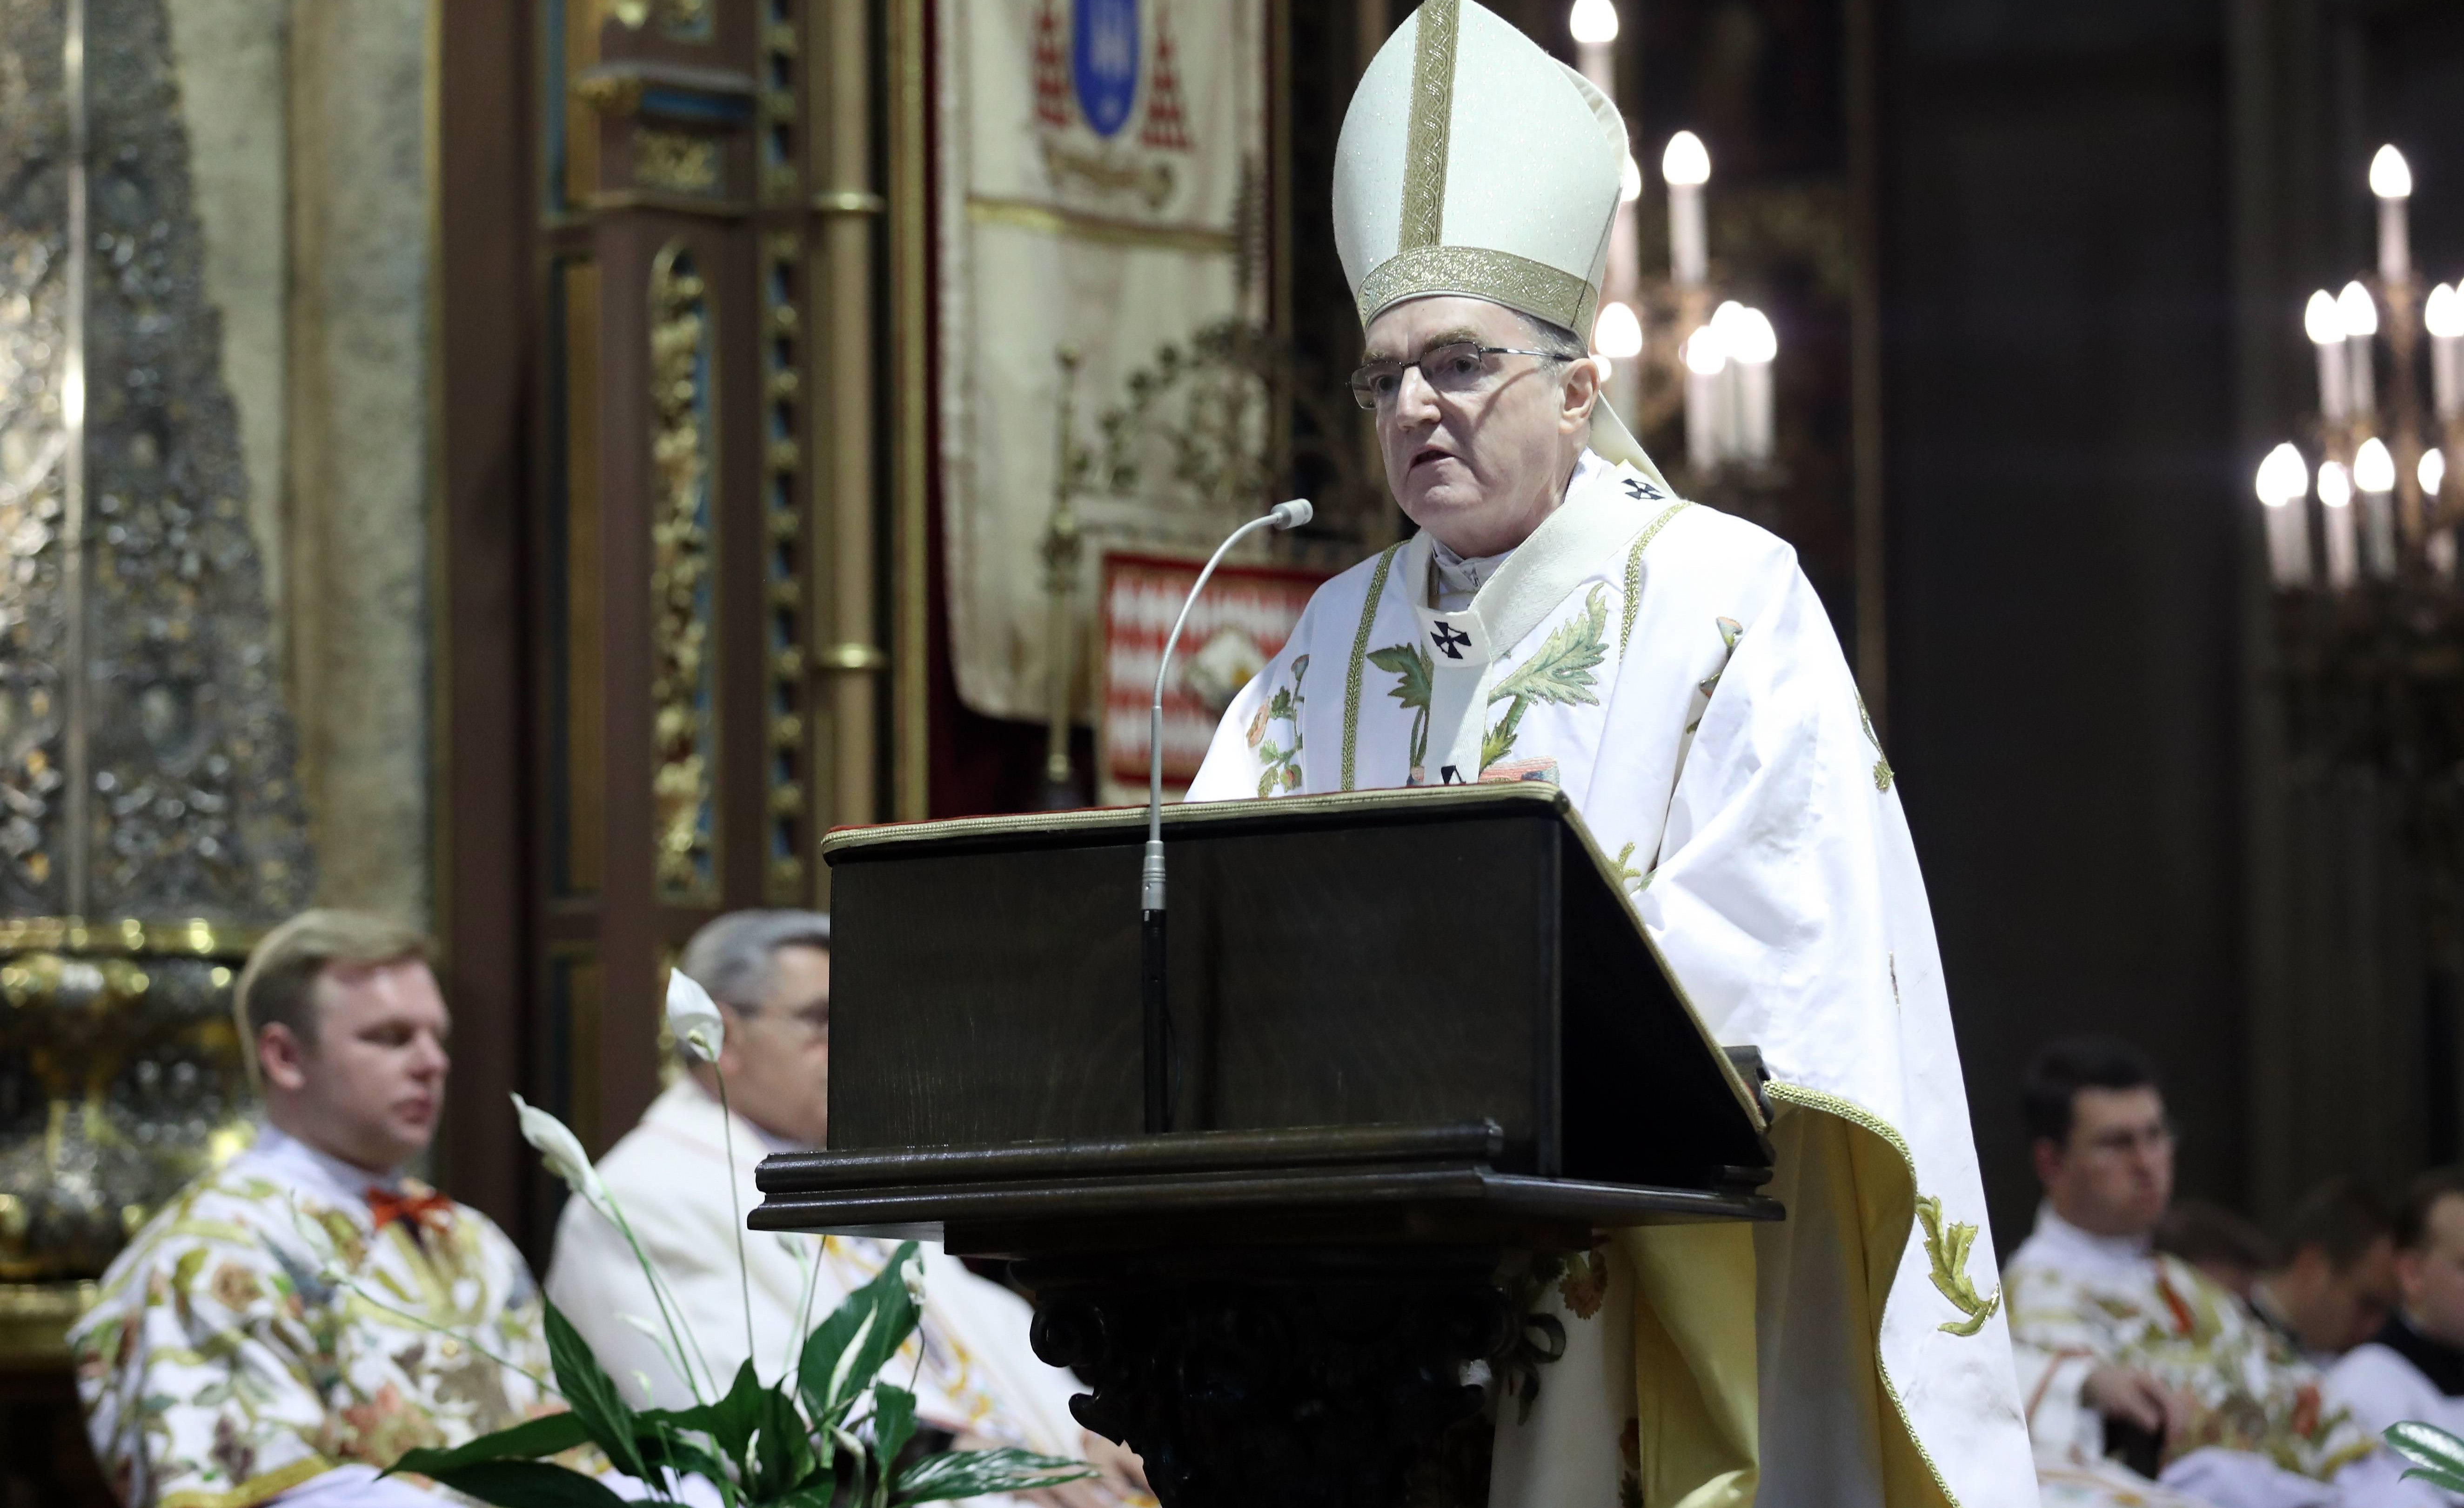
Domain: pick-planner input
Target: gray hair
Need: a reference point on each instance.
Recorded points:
(1562, 344)
(730, 955)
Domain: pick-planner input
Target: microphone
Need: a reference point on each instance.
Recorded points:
(1156, 1017)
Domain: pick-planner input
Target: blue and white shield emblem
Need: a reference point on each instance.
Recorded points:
(1105, 62)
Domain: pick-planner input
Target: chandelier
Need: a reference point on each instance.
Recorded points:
(2383, 516)
(1714, 360)
(2360, 517)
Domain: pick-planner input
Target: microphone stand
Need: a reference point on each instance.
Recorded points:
(1154, 1009)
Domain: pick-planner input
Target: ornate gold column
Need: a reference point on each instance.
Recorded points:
(148, 816)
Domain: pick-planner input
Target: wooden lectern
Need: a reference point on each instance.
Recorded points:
(1414, 1034)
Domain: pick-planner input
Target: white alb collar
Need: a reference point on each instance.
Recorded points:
(318, 1174)
(2066, 1246)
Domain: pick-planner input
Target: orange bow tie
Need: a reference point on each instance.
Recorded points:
(418, 1206)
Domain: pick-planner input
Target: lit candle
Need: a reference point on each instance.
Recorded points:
(2374, 474)
(1753, 344)
(2283, 482)
(2392, 181)
(2361, 319)
(1686, 167)
(1705, 422)
(1595, 25)
(1617, 337)
(2336, 498)
(2326, 326)
(2444, 316)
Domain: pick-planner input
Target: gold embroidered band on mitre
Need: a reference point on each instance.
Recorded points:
(1429, 135)
(1476, 272)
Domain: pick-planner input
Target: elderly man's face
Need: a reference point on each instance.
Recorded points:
(1479, 466)
(777, 1055)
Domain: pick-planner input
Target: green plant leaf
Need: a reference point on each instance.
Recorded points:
(844, 1354)
(529, 1484)
(592, 1394)
(731, 1421)
(2437, 1456)
(893, 1422)
(971, 1473)
(784, 1449)
(662, 1447)
(526, 1441)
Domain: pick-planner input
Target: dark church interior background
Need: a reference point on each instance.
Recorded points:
(2037, 274)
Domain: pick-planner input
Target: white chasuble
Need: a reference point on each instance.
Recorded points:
(1670, 668)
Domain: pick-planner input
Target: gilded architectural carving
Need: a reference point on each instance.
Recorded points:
(676, 161)
(784, 877)
(683, 683)
(146, 758)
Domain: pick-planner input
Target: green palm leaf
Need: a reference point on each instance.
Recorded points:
(2437, 1456)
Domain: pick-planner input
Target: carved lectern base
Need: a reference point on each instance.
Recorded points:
(1310, 1376)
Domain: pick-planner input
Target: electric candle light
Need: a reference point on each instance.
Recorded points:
(2374, 474)
(2391, 180)
(1751, 344)
(1629, 181)
(2283, 482)
(2360, 315)
(2336, 497)
(1705, 361)
(1618, 332)
(2444, 316)
(1687, 166)
(2325, 323)
(1594, 22)
(2433, 473)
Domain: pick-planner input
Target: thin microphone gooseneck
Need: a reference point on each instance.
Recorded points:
(1157, 1018)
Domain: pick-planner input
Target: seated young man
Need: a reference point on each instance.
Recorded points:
(2414, 1369)
(290, 1324)
(977, 1378)
(2120, 1347)
(2334, 1285)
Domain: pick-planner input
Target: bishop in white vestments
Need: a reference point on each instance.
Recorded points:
(1563, 616)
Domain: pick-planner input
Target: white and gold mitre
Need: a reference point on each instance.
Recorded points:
(1473, 163)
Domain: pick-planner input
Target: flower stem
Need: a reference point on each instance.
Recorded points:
(736, 1203)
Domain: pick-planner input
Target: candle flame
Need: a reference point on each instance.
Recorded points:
(1618, 332)
(1751, 337)
(2283, 477)
(2373, 466)
(2391, 176)
(2444, 313)
(2359, 312)
(1594, 22)
(1686, 162)
(1706, 354)
(2323, 319)
(1629, 181)
(2335, 485)
(2433, 473)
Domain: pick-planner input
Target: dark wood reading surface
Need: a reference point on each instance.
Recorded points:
(1414, 1034)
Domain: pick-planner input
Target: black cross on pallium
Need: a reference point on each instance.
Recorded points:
(1636, 487)
(1450, 641)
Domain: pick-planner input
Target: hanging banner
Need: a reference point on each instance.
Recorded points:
(1239, 624)
(1102, 272)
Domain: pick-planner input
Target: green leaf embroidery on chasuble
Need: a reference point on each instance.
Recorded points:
(1946, 1248)
(1883, 774)
(1359, 651)
(1413, 669)
(1559, 672)
(1281, 766)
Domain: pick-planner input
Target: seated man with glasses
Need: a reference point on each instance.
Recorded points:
(975, 1379)
(2126, 1355)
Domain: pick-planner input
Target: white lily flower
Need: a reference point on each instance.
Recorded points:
(694, 1016)
(560, 1150)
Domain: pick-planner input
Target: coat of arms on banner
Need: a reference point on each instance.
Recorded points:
(1100, 217)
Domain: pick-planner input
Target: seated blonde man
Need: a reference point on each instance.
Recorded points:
(769, 972)
(268, 1337)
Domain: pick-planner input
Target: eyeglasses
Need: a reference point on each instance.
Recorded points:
(1460, 369)
(814, 1017)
